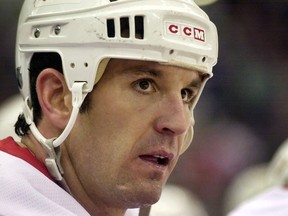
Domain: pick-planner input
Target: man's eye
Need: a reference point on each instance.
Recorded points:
(187, 95)
(144, 86)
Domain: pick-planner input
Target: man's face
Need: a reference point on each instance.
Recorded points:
(125, 146)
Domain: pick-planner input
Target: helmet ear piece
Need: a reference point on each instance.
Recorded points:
(204, 2)
(188, 139)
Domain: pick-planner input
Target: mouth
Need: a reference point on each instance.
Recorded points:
(162, 160)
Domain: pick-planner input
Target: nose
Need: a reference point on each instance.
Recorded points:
(174, 117)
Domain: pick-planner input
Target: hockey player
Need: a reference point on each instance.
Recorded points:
(109, 89)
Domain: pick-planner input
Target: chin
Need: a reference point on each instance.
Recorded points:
(150, 199)
(140, 193)
(145, 198)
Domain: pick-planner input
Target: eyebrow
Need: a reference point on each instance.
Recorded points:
(197, 82)
(141, 69)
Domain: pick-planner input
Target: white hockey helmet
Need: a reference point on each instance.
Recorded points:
(86, 32)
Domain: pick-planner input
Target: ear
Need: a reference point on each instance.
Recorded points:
(54, 97)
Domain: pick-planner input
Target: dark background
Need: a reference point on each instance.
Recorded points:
(242, 117)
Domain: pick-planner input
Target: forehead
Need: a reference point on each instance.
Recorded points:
(134, 67)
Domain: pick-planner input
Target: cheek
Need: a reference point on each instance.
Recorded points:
(96, 153)
(108, 131)
(114, 125)
(117, 116)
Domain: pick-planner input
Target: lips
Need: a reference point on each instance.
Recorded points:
(157, 159)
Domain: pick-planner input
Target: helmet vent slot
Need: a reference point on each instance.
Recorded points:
(139, 27)
(110, 28)
(125, 28)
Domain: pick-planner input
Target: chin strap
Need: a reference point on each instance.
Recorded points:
(52, 145)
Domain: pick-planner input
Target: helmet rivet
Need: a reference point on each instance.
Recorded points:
(37, 33)
(57, 29)
(171, 51)
(204, 59)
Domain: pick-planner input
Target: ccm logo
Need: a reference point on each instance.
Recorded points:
(186, 31)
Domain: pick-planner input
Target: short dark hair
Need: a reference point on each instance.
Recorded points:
(38, 63)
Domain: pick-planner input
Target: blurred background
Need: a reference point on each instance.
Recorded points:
(242, 117)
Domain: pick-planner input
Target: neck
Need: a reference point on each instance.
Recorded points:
(34, 147)
(92, 206)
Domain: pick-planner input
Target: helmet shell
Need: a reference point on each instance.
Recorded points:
(175, 32)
